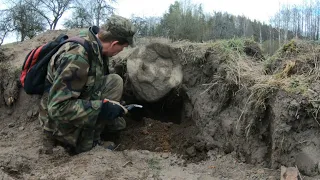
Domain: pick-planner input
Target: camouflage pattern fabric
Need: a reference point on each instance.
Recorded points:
(70, 109)
(120, 27)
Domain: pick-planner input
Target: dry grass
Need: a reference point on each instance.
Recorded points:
(299, 67)
(241, 69)
(236, 68)
(295, 66)
(138, 42)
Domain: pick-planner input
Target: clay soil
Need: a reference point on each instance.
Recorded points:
(148, 149)
(209, 138)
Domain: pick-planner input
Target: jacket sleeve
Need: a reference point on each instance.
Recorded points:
(69, 80)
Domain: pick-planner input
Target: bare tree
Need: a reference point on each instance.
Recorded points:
(295, 27)
(25, 20)
(51, 10)
(90, 12)
(80, 18)
(260, 34)
(286, 21)
(279, 25)
(303, 20)
(6, 25)
(100, 10)
(317, 19)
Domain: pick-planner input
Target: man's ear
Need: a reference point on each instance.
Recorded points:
(114, 43)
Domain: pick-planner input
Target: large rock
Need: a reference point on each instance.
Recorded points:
(154, 70)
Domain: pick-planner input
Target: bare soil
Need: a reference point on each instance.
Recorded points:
(217, 129)
(149, 149)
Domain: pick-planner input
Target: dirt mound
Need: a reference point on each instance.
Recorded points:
(296, 57)
(241, 109)
(252, 48)
(21, 158)
(18, 50)
(229, 116)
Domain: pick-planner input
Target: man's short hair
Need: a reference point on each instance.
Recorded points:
(119, 29)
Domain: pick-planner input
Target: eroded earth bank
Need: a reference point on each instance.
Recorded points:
(221, 111)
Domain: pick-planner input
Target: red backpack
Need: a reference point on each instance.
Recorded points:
(34, 69)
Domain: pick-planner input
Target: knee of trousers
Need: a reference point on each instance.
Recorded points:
(117, 81)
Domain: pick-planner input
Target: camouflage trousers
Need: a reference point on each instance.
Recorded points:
(81, 139)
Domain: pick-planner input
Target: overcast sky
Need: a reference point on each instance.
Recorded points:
(261, 10)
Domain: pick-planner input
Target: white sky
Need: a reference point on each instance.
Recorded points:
(261, 10)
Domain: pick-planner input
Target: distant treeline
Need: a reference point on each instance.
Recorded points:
(188, 21)
(183, 20)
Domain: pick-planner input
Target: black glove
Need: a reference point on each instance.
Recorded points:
(111, 110)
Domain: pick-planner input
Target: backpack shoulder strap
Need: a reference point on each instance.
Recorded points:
(61, 38)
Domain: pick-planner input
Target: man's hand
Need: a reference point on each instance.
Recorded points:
(111, 110)
(117, 103)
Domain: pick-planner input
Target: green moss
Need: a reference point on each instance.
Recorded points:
(232, 45)
(225, 50)
(290, 47)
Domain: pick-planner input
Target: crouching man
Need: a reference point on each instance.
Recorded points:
(83, 98)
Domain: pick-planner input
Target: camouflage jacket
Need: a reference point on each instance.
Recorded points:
(71, 102)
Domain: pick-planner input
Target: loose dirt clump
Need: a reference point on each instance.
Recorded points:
(252, 48)
(9, 86)
(157, 136)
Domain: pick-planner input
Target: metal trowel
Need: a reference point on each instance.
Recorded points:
(132, 106)
(136, 111)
